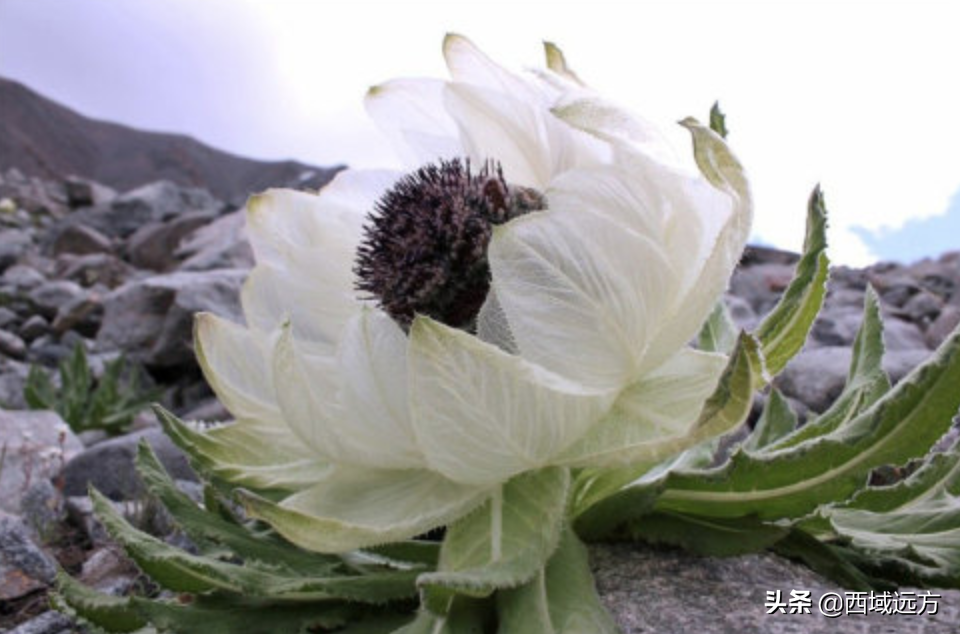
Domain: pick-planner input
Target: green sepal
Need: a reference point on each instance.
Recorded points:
(502, 544)
(784, 330)
(718, 120)
(560, 599)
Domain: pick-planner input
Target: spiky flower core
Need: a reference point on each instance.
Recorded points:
(425, 246)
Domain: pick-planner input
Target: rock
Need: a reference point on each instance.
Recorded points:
(152, 319)
(80, 240)
(816, 376)
(761, 285)
(93, 269)
(13, 376)
(35, 326)
(945, 324)
(23, 566)
(82, 313)
(923, 308)
(7, 317)
(222, 244)
(741, 312)
(109, 466)
(12, 346)
(23, 278)
(839, 326)
(155, 202)
(14, 244)
(50, 296)
(153, 246)
(663, 591)
(38, 444)
(50, 622)
(108, 571)
(41, 508)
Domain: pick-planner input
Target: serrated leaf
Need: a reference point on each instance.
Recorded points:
(709, 536)
(777, 420)
(902, 425)
(719, 333)
(783, 332)
(866, 380)
(827, 560)
(177, 570)
(467, 616)
(504, 543)
(560, 599)
(203, 526)
(114, 614)
(913, 525)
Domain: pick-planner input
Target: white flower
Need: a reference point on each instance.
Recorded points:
(374, 430)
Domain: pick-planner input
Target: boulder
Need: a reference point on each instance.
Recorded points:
(24, 567)
(80, 240)
(153, 246)
(14, 244)
(151, 319)
(650, 590)
(221, 244)
(37, 445)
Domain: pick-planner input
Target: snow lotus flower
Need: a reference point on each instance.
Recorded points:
(522, 298)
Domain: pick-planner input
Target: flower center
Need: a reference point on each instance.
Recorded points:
(424, 249)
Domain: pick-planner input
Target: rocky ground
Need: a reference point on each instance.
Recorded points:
(124, 272)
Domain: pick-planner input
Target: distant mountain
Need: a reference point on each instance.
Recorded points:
(42, 138)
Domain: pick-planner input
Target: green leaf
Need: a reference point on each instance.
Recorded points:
(902, 425)
(467, 616)
(827, 560)
(560, 599)
(182, 572)
(709, 536)
(114, 614)
(38, 390)
(204, 527)
(718, 120)
(866, 380)
(912, 526)
(719, 333)
(783, 332)
(504, 543)
(776, 421)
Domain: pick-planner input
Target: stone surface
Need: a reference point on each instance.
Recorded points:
(80, 240)
(653, 591)
(37, 444)
(154, 246)
(152, 319)
(50, 622)
(97, 268)
(14, 244)
(50, 296)
(109, 465)
(221, 244)
(11, 345)
(24, 567)
(23, 277)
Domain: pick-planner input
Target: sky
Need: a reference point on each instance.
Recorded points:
(859, 96)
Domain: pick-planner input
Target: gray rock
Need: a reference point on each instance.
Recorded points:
(82, 313)
(655, 591)
(97, 268)
(12, 346)
(761, 285)
(50, 296)
(37, 445)
(24, 567)
(23, 278)
(222, 244)
(7, 317)
(153, 246)
(80, 240)
(155, 202)
(923, 308)
(816, 376)
(35, 326)
(14, 244)
(108, 571)
(945, 324)
(41, 508)
(152, 319)
(13, 376)
(839, 326)
(109, 466)
(50, 622)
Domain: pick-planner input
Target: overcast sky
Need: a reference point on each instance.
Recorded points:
(862, 97)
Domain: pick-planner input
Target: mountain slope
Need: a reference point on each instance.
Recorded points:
(42, 138)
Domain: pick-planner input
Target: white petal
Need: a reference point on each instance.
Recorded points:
(492, 324)
(317, 306)
(651, 418)
(412, 114)
(236, 363)
(482, 415)
(322, 396)
(581, 293)
(468, 64)
(727, 199)
(373, 362)
(357, 508)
